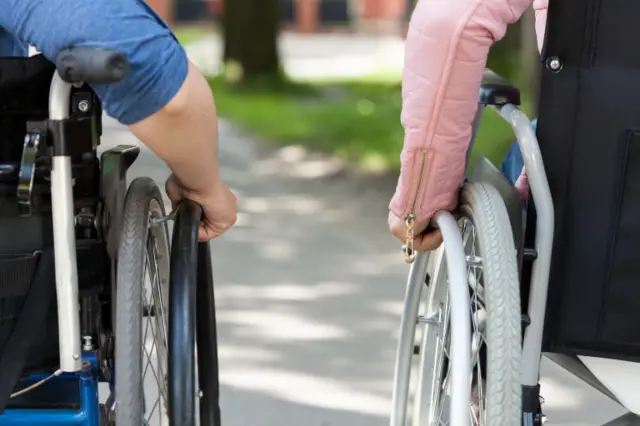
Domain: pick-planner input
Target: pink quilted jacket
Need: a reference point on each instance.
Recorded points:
(445, 55)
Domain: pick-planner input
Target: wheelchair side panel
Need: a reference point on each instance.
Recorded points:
(589, 134)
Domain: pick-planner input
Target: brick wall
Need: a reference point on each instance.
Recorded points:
(162, 8)
(365, 11)
(382, 9)
(306, 12)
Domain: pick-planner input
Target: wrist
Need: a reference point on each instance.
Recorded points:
(204, 188)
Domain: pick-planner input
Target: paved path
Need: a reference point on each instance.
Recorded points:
(309, 289)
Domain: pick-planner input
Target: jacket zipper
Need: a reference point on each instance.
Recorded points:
(409, 252)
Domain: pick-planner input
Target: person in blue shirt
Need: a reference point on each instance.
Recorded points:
(164, 99)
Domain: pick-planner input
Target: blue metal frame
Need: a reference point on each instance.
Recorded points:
(88, 413)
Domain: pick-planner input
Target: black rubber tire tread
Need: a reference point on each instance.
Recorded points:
(482, 204)
(142, 193)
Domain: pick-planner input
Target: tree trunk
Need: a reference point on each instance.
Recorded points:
(530, 57)
(251, 37)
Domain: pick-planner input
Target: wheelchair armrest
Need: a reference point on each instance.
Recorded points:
(92, 65)
(496, 90)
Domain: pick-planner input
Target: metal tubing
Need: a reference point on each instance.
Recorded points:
(64, 238)
(541, 194)
(460, 326)
(404, 351)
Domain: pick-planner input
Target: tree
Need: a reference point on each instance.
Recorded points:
(530, 56)
(251, 37)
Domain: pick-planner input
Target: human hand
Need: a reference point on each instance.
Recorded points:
(423, 239)
(219, 206)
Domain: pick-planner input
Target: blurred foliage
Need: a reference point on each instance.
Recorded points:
(191, 33)
(357, 120)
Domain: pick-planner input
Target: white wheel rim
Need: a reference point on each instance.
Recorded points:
(433, 392)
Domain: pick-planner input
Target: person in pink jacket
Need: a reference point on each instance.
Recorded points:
(445, 55)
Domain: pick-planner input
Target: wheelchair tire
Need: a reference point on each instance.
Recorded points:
(496, 302)
(139, 239)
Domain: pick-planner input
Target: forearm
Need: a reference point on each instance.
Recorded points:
(185, 133)
(446, 51)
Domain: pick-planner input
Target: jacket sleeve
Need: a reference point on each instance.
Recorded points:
(445, 54)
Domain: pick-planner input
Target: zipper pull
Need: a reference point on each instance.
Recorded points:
(409, 252)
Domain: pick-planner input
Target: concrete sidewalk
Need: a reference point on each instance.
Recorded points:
(309, 290)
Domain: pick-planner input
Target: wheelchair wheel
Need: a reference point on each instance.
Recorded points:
(142, 309)
(495, 397)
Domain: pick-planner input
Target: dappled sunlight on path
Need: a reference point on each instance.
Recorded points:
(306, 286)
(309, 289)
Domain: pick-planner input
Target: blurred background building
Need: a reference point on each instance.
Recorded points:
(307, 16)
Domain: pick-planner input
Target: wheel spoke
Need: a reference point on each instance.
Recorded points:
(153, 409)
(153, 370)
(488, 247)
(152, 297)
(140, 299)
(478, 318)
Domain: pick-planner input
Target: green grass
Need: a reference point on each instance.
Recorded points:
(358, 121)
(189, 34)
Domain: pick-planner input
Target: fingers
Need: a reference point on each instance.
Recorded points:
(205, 234)
(208, 232)
(398, 227)
(219, 207)
(173, 190)
(428, 241)
(424, 241)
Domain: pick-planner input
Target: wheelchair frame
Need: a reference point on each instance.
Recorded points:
(498, 94)
(532, 343)
(191, 299)
(64, 235)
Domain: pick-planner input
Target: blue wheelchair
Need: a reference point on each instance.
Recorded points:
(92, 290)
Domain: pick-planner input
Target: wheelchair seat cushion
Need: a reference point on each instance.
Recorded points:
(589, 134)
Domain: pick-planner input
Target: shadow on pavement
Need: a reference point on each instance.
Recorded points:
(240, 407)
(309, 287)
(309, 290)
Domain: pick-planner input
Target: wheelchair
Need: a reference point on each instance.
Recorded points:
(93, 291)
(554, 275)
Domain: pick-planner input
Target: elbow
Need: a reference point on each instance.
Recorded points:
(445, 22)
(436, 21)
(194, 91)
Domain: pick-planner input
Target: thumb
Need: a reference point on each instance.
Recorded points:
(174, 190)
(428, 241)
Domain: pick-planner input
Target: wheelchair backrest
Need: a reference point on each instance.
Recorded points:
(24, 94)
(589, 134)
(24, 97)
